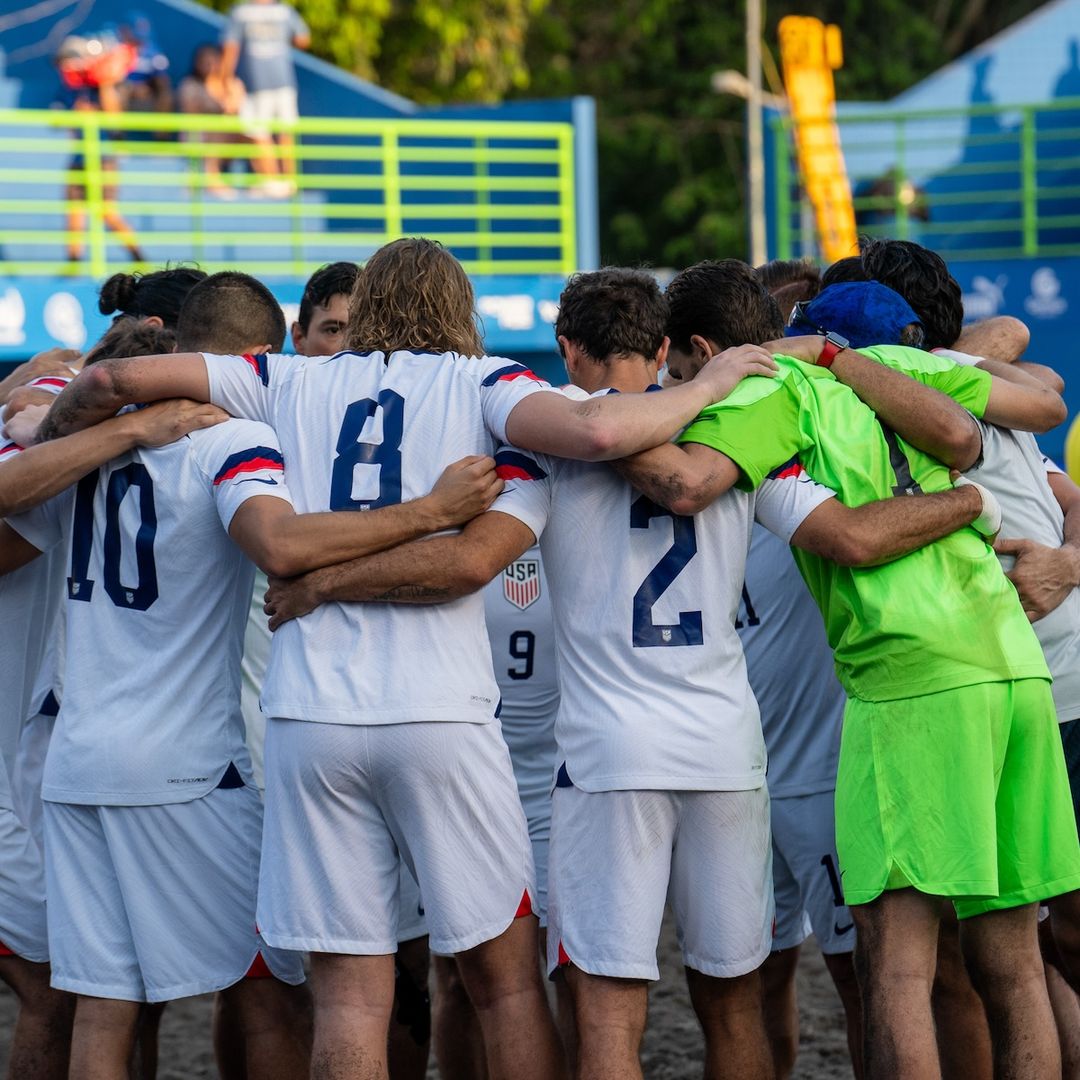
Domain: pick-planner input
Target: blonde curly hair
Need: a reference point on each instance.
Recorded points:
(413, 294)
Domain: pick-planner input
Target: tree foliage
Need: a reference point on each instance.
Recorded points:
(672, 157)
(428, 50)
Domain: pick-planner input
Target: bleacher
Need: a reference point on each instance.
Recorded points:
(511, 189)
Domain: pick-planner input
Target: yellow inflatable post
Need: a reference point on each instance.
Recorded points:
(810, 51)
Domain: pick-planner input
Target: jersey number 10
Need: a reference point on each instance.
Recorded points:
(80, 587)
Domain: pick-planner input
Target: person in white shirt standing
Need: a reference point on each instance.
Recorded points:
(369, 759)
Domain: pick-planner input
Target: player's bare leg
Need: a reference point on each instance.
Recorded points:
(144, 1058)
(731, 1016)
(503, 980)
(274, 1019)
(230, 1056)
(564, 1007)
(410, 1021)
(103, 1038)
(353, 999)
(842, 969)
(459, 1042)
(1065, 925)
(610, 1016)
(41, 1041)
(895, 954)
(962, 1031)
(1066, 1007)
(1001, 950)
(781, 1007)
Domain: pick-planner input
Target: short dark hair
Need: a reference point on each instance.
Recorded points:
(922, 278)
(129, 337)
(141, 296)
(229, 312)
(846, 269)
(613, 312)
(724, 302)
(789, 281)
(326, 282)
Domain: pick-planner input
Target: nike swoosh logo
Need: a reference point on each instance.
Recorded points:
(258, 480)
(841, 930)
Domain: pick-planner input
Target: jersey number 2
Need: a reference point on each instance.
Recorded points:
(688, 630)
(80, 587)
(352, 452)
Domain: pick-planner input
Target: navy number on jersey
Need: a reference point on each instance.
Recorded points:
(352, 451)
(752, 617)
(688, 630)
(136, 597)
(522, 647)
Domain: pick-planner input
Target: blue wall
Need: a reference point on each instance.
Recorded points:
(517, 314)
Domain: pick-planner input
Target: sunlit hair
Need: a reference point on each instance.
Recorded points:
(126, 337)
(413, 294)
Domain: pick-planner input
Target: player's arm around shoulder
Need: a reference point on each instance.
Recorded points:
(684, 478)
(881, 532)
(618, 425)
(432, 571)
(102, 389)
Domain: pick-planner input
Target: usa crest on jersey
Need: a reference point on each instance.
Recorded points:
(521, 582)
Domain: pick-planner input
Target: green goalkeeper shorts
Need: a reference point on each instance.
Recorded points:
(962, 794)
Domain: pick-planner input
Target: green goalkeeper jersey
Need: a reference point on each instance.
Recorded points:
(941, 617)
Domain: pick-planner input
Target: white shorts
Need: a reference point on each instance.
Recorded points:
(262, 106)
(152, 903)
(617, 856)
(806, 879)
(22, 886)
(345, 804)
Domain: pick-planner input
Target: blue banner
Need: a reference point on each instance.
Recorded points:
(517, 313)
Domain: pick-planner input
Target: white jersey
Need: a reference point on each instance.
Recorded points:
(43, 672)
(517, 605)
(654, 687)
(29, 600)
(362, 431)
(791, 670)
(1014, 469)
(157, 599)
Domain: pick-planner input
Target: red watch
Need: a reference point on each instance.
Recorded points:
(834, 344)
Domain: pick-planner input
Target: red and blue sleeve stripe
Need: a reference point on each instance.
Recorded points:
(9, 448)
(259, 363)
(511, 465)
(790, 470)
(509, 373)
(257, 459)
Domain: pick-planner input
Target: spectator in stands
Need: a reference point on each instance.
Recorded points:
(92, 70)
(257, 45)
(209, 92)
(147, 87)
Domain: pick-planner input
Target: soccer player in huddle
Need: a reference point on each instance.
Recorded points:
(658, 617)
(367, 431)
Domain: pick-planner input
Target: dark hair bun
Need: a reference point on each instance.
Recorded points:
(117, 294)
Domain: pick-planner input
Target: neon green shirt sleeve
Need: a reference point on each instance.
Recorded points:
(756, 425)
(967, 386)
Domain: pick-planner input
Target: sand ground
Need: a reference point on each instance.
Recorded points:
(672, 1049)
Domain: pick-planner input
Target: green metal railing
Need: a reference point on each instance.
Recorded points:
(978, 182)
(500, 194)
